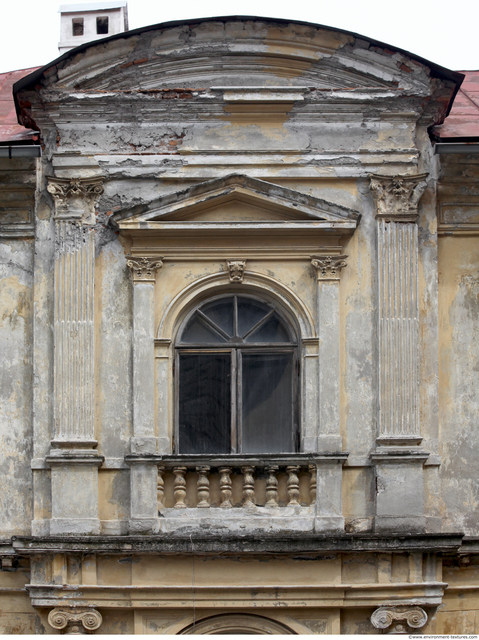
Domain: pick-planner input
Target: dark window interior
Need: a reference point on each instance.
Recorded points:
(236, 379)
(77, 26)
(102, 25)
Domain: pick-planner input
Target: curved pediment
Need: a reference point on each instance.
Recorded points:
(240, 201)
(235, 51)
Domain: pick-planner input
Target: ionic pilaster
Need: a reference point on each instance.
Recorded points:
(328, 272)
(143, 474)
(74, 621)
(396, 200)
(143, 271)
(399, 620)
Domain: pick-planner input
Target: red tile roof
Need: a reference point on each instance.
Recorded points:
(463, 119)
(10, 130)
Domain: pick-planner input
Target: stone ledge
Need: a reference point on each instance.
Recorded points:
(325, 594)
(246, 544)
(236, 460)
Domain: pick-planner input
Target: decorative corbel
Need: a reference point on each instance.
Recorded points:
(397, 197)
(328, 267)
(404, 618)
(236, 269)
(75, 621)
(143, 269)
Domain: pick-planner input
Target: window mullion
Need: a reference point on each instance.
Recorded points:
(234, 401)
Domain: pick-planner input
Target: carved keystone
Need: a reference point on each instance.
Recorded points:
(403, 618)
(143, 269)
(75, 621)
(328, 267)
(236, 269)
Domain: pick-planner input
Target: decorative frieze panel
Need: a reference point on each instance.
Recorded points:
(75, 621)
(399, 620)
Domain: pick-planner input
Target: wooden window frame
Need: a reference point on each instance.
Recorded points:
(236, 351)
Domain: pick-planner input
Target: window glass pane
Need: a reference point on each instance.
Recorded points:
(272, 330)
(197, 332)
(205, 403)
(249, 313)
(102, 25)
(221, 312)
(77, 26)
(267, 403)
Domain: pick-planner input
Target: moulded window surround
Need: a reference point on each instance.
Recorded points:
(236, 379)
(77, 26)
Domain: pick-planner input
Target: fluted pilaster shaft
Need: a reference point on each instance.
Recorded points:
(398, 323)
(74, 308)
(398, 328)
(74, 332)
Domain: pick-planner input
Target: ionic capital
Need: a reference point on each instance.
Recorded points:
(328, 267)
(401, 619)
(236, 269)
(75, 198)
(74, 621)
(143, 269)
(397, 197)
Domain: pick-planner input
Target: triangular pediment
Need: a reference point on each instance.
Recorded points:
(236, 199)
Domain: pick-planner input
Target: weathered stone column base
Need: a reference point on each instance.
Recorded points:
(143, 526)
(40, 528)
(143, 489)
(74, 492)
(393, 524)
(400, 491)
(75, 526)
(329, 501)
(328, 523)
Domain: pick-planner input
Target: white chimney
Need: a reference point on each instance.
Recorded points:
(81, 23)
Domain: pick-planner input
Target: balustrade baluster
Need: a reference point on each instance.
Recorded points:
(203, 488)
(272, 487)
(312, 483)
(179, 487)
(248, 486)
(293, 485)
(160, 487)
(226, 487)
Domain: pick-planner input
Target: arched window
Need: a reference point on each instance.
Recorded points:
(236, 379)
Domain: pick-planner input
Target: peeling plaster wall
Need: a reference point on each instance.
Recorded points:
(16, 280)
(459, 380)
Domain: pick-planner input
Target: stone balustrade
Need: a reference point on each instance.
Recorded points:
(233, 482)
(236, 494)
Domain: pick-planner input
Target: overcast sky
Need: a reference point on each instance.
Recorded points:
(443, 31)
